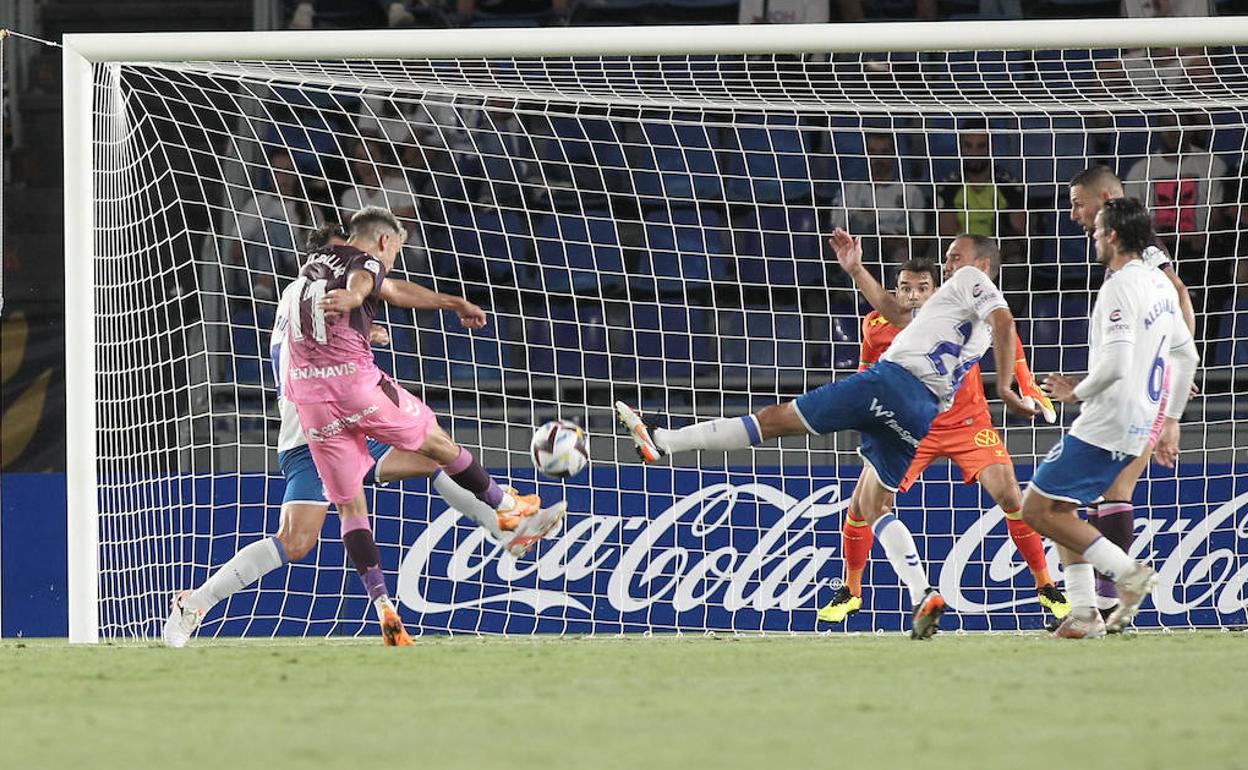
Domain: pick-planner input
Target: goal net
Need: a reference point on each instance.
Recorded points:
(643, 215)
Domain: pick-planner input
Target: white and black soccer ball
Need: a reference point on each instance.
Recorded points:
(560, 449)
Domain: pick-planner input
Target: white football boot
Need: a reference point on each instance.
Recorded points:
(1081, 623)
(646, 448)
(181, 623)
(533, 528)
(1132, 588)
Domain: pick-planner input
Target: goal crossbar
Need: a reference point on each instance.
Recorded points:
(883, 37)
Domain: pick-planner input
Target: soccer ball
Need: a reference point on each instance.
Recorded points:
(560, 449)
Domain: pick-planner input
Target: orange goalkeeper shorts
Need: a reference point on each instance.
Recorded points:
(973, 447)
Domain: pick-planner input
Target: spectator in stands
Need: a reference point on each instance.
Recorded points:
(1182, 183)
(398, 12)
(884, 206)
(381, 181)
(983, 199)
(784, 12)
(555, 11)
(271, 226)
(1151, 8)
(856, 10)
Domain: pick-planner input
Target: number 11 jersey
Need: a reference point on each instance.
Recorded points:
(329, 355)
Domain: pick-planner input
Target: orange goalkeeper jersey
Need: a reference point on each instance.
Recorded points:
(968, 403)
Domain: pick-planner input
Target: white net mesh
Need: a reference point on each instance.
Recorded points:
(650, 229)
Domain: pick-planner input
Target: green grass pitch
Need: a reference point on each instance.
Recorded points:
(1177, 700)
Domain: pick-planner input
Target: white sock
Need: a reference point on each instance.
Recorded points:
(720, 435)
(468, 504)
(903, 555)
(248, 565)
(1109, 559)
(1080, 584)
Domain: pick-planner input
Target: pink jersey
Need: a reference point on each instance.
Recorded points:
(330, 356)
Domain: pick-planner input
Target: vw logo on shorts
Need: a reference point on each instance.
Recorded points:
(1056, 451)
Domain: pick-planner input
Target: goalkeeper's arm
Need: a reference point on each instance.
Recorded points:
(412, 295)
(1028, 388)
(848, 251)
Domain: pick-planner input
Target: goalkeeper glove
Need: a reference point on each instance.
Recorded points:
(1033, 397)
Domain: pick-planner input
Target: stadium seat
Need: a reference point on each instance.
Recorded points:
(484, 244)
(248, 367)
(680, 244)
(1232, 342)
(768, 164)
(676, 165)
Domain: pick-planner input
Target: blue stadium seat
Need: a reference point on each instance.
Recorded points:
(677, 164)
(1232, 342)
(483, 245)
(769, 163)
(580, 252)
(850, 151)
(249, 336)
(680, 244)
(779, 246)
(475, 356)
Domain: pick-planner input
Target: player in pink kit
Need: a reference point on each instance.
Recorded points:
(341, 395)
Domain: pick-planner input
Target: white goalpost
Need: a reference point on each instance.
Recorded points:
(642, 213)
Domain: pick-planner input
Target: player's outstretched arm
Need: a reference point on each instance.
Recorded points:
(848, 251)
(1004, 343)
(412, 295)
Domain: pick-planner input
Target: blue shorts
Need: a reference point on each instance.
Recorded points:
(1075, 471)
(888, 405)
(303, 483)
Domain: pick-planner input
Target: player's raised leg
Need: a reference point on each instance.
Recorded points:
(720, 435)
(400, 419)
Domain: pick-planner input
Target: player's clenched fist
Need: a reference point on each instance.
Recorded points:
(470, 316)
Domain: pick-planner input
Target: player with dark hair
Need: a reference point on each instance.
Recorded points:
(964, 434)
(1114, 515)
(1136, 335)
(515, 521)
(892, 404)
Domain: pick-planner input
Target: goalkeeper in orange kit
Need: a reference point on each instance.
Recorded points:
(964, 434)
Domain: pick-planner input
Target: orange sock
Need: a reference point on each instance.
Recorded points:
(1030, 545)
(856, 541)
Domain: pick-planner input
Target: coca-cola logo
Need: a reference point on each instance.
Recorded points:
(754, 547)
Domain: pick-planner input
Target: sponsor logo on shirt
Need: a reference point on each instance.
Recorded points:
(1115, 315)
(977, 289)
(373, 266)
(323, 372)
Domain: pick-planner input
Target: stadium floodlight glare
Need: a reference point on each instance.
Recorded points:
(642, 212)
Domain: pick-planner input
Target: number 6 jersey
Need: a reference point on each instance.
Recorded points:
(948, 335)
(1137, 306)
(328, 355)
